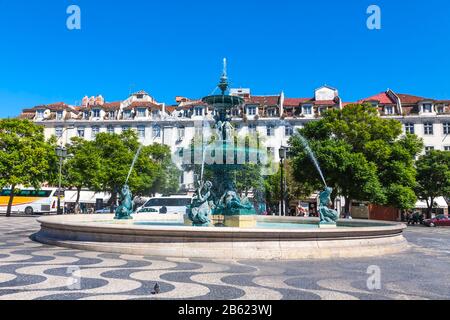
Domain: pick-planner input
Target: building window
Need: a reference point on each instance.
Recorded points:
(126, 128)
(198, 111)
(110, 129)
(428, 128)
(252, 128)
(428, 108)
(447, 148)
(235, 112)
(96, 113)
(156, 131)
(410, 128)
(141, 112)
(440, 109)
(251, 111)
(141, 132)
(271, 113)
(80, 132)
(446, 126)
(40, 114)
(271, 152)
(95, 131)
(112, 114)
(180, 133)
(429, 149)
(307, 110)
(59, 115)
(155, 114)
(288, 131)
(59, 132)
(127, 114)
(86, 115)
(270, 130)
(389, 110)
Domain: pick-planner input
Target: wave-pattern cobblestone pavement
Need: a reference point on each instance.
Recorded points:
(29, 270)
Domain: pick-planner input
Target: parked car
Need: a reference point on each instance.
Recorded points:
(106, 210)
(439, 221)
(166, 205)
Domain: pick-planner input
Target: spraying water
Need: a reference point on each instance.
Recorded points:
(134, 162)
(312, 156)
(206, 136)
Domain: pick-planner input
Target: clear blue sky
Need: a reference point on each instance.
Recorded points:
(175, 47)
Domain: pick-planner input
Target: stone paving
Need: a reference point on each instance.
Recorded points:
(29, 270)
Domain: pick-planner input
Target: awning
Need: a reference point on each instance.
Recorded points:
(90, 197)
(440, 202)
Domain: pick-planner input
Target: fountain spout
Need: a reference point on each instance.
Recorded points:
(223, 85)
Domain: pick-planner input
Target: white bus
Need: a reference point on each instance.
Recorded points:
(31, 201)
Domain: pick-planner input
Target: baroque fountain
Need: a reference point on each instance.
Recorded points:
(243, 233)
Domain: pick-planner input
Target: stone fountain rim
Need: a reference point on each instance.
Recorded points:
(98, 223)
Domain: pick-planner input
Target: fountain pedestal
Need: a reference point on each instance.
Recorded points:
(238, 221)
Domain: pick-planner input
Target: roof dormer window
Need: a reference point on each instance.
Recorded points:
(59, 115)
(141, 112)
(307, 109)
(96, 113)
(40, 114)
(389, 110)
(427, 108)
(127, 114)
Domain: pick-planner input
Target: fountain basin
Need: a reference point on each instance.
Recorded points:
(168, 239)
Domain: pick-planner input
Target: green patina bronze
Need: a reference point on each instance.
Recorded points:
(200, 210)
(125, 209)
(327, 215)
(204, 204)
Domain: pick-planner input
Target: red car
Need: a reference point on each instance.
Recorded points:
(439, 221)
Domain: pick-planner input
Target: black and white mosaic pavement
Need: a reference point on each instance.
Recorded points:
(29, 270)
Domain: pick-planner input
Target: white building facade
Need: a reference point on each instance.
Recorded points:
(275, 117)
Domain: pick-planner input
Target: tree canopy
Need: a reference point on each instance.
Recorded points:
(363, 156)
(433, 177)
(25, 157)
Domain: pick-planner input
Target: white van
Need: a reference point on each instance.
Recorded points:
(166, 205)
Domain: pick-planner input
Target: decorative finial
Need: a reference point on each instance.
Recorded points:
(223, 85)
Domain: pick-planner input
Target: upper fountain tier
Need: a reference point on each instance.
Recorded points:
(223, 101)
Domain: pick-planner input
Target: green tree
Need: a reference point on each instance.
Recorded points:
(82, 168)
(363, 156)
(433, 177)
(116, 153)
(25, 156)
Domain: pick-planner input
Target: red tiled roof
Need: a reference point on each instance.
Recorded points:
(144, 104)
(382, 98)
(264, 100)
(295, 102)
(410, 99)
(111, 106)
(325, 102)
(171, 109)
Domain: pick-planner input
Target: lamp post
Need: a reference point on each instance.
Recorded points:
(282, 154)
(62, 154)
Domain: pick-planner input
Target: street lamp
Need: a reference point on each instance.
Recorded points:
(282, 154)
(62, 154)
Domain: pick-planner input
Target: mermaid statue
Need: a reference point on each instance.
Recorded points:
(327, 215)
(123, 212)
(201, 206)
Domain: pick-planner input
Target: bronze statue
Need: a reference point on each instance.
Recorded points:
(327, 215)
(124, 211)
(201, 206)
